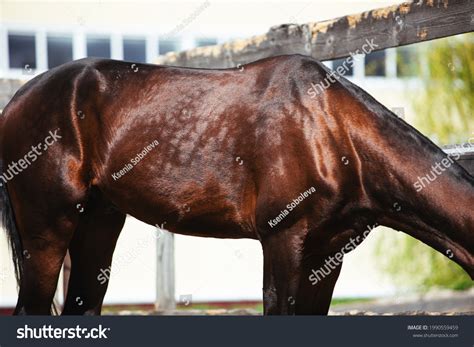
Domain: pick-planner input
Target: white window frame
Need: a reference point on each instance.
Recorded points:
(56, 34)
(38, 35)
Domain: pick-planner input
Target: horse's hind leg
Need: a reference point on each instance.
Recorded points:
(91, 251)
(45, 229)
(43, 256)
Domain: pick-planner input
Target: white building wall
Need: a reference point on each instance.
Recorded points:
(207, 269)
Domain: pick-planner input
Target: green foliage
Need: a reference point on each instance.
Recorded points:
(407, 62)
(444, 111)
(413, 265)
(444, 106)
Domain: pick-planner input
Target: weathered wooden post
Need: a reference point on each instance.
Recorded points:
(66, 274)
(165, 291)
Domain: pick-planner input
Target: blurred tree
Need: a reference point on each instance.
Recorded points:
(445, 104)
(444, 109)
(412, 265)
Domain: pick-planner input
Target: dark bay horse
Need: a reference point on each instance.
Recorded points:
(236, 153)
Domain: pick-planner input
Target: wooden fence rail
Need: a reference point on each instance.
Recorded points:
(394, 26)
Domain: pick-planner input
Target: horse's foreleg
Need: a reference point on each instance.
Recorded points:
(91, 252)
(282, 264)
(318, 279)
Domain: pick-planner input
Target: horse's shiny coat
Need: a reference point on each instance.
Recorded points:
(232, 149)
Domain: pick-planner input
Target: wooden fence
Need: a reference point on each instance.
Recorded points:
(399, 25)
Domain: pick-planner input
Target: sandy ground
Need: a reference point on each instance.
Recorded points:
(444, 302)
(436, 303)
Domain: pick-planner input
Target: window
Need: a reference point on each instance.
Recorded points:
(347, 67)
(98, 47)
(165, 46)
(22, 51)
(205, 42)
(375, 64)
(407, 62)
(134, 50)
(59, 50)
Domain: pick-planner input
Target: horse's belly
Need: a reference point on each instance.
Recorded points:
(199, 206)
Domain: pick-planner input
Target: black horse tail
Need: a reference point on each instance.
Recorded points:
(9, 225)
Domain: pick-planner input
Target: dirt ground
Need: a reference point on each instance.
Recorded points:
(444, 302)
(435, 303)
